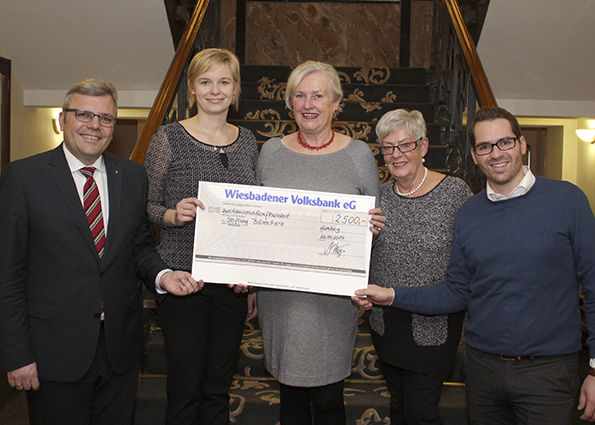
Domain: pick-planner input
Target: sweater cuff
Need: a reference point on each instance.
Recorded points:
(392, 304)
(156, 214)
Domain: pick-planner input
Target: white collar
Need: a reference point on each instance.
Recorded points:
(522, 188)
(75, 164)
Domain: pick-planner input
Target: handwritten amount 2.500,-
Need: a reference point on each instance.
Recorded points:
(349, 219)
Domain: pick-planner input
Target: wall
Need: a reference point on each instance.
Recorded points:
(17, 120)
(30, 127)
(537, 149)
(555, 152)
(586, 170)
(125, 136)
(38, 133)
(567, 158)
(32, 130)
(281, 27)
(346, 34)
(16, 110)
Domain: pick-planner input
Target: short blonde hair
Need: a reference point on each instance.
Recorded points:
(94, 86)
(393, 120)
(307, 68)
(205, 59)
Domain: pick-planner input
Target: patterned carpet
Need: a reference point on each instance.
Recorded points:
(255, 394)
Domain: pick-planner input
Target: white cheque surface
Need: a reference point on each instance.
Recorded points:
(282, 238)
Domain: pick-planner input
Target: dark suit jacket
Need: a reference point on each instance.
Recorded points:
(52, 284)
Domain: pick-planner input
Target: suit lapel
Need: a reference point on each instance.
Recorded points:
(60, 172)
(114, 184)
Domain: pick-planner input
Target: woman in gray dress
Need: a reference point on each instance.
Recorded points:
(308, 338)
(416, 352)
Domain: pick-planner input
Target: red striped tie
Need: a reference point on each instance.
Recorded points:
(92, 205)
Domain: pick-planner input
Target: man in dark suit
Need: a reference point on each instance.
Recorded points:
(74, 237)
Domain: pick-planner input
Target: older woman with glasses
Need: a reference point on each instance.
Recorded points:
(416, 352)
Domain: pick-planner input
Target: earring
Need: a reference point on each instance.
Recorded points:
(423, 160)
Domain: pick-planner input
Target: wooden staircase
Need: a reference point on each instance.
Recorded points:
(368, 94)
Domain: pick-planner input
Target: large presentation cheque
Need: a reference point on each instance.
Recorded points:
(282, 238)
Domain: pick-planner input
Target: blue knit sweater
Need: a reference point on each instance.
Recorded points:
(516, 265)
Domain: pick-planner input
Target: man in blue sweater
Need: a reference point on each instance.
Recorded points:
(521, 250)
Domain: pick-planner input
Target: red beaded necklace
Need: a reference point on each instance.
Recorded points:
(314, 148)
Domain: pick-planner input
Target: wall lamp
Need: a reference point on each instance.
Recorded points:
(586, 134)
(56, 125)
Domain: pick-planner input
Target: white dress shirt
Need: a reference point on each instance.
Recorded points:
(523, 187)
(100, 177)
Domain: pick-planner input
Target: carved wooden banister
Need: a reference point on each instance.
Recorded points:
(484, 91)
(461, 86)
(169, 86)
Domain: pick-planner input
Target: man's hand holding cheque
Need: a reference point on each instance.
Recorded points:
(374, 295)
(180, 283)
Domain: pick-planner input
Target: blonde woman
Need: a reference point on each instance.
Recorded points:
(202, 331)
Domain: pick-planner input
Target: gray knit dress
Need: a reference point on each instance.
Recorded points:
(308, 338)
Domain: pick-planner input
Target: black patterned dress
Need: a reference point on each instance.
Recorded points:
(414, 250)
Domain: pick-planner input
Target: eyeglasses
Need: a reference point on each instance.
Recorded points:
(87, 116)
(403, 147)
(503, 144)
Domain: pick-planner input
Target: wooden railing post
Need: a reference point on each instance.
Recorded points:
(480, 80)
(169, 86)
(462, 85)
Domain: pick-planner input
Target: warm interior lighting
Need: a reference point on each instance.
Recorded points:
(586, 134)
(56, 125)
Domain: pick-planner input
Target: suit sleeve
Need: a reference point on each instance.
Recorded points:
(147, 261)
(15, 341)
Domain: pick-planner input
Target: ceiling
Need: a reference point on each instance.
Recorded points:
(53, 44)
(538, 54)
